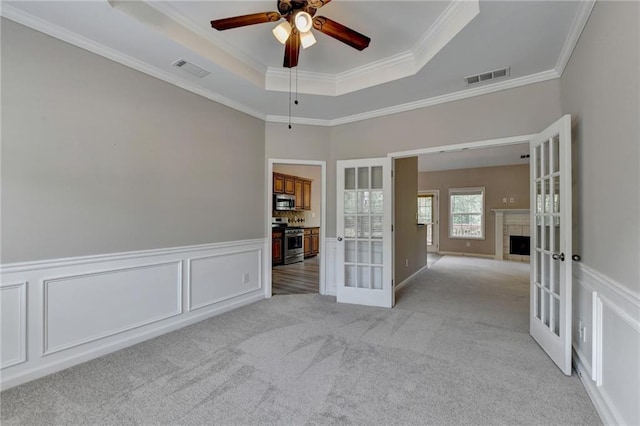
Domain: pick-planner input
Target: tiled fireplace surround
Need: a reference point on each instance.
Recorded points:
(510, 222)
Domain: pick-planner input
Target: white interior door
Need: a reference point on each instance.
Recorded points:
(550, 311)
(364, 217)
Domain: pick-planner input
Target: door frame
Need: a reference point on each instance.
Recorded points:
(322, 285)
(435, 232)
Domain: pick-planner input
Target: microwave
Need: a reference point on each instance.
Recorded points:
(284, 202)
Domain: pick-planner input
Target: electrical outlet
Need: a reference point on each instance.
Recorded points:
(512, 200)
(580, 332)
(504, 200)
(245, 278)
(468, 243)
(584, 333)
(406, 263)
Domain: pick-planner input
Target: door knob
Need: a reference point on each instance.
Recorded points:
(557, 256)
(339, 238)
(576, 258)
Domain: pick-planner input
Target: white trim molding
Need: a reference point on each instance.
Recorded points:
(586, 7)
(59, 313)
(324, 259)
(14, 327)
(607, 357)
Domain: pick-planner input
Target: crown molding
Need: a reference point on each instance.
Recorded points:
(450, 97)
(28, 20)
(455, 17)
(298, 120)
(586, 7)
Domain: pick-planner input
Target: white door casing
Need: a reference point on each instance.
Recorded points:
(551, 240)
(364, 265)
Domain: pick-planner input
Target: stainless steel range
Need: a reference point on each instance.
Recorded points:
(293, 245)
(293, 240)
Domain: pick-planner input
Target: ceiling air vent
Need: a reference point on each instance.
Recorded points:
(191, 69)
(487, 76)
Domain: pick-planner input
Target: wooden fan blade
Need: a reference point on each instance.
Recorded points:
(292, 50)
(313, 5)
(244, 20)
(340, 32)
(317, 3)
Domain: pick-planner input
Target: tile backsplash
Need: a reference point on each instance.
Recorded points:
(295, 218)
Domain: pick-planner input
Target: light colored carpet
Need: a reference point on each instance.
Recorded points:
(455, 350)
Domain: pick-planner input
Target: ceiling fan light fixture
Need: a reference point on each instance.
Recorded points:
(307, 39)
(282, 32)
(303, 21)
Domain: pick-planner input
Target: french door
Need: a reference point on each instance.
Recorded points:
(551, 251)
(364, 218)
(428, 213)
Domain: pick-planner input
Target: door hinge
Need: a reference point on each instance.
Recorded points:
(392, 284)
(391, 173)
(391, 228)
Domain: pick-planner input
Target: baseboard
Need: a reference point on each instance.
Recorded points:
(459, 253)
(600, 401)
(59, 313)
(409, 278)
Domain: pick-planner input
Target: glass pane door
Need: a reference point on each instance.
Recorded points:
(550, 322)
(363, 227)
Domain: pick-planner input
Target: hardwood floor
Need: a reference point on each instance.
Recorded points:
(297, 278)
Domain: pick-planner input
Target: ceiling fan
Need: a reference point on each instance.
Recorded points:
(295, 31)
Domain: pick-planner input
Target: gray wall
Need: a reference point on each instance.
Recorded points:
(523, 110)
(499, 182)
(410, 239)
(99, 158)
(600, 90)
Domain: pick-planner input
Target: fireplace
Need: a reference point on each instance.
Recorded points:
(519, 244)
(512, 223)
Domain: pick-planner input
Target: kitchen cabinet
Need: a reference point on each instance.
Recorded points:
(299, 187)
(278, 183)
(289, 185)
(299, 193)
(311, 241)
(277, 246)
(306, 195)
(307, 243)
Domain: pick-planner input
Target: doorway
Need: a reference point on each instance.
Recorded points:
(296, 222)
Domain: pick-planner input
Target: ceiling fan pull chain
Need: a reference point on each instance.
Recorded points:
(289, 98)
(296, 86)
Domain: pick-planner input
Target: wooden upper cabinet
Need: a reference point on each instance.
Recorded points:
(292, 185)
(278, 183)
(306, 189)
(299, 193)
(289, 185)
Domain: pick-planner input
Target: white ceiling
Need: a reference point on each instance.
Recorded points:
(419, 54)
(473, 158)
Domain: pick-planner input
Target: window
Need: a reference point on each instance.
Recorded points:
(466, 213)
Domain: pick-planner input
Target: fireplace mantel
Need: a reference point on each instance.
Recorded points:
(521, 214)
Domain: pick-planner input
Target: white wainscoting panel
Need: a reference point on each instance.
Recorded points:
(59, 313)
(87, 307)
(13, 322)
(331, 253)
(223, 276)
(608, 351)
